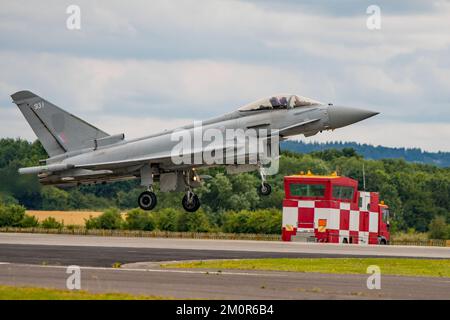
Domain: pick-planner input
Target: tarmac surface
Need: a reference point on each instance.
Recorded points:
(41, 260)
(236, 284)
(240, 248)
(90, 256)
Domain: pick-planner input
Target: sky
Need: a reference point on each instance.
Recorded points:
(139, 67)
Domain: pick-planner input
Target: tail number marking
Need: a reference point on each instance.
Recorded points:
(38, 105)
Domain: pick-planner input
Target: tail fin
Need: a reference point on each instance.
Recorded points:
(58, 130)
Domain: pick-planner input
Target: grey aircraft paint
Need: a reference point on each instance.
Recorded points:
(83, 154)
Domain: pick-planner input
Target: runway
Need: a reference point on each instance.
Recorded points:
(161, 249)
(206, 284)
(41, 260)
(90, 256)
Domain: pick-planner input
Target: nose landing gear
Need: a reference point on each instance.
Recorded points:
(264, 189)
(190, 201)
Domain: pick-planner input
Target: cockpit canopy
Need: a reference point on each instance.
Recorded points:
(282, 101)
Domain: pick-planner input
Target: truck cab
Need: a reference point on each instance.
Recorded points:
(331, 209)
(384, 226)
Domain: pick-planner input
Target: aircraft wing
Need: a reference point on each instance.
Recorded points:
(124, 163)
(165, 157)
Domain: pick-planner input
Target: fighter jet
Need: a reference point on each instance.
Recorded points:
(79, 153)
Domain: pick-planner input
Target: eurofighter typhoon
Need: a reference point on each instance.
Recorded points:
(79, 153)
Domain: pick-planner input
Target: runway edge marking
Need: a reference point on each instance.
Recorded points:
(153, 270)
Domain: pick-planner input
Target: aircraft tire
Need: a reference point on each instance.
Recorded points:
(265, 189)
(147, 200)
(193, 206)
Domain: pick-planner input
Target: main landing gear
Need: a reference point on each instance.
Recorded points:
(147, 200)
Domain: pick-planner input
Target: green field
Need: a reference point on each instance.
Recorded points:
(388, 266)
(28, 293)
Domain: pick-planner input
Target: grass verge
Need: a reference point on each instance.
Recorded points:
(388, 266)
(29, 293)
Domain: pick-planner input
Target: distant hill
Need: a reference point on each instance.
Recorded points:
(441, 159)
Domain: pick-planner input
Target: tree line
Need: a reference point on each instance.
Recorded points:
(263, 221)
(368, 151)
(418, 194)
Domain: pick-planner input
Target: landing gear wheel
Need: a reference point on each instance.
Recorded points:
(193, 204)
(265, 189)
(147, 200)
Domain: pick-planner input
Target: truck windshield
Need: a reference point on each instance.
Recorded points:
(343, 192)
(385, 212)
(307, 190)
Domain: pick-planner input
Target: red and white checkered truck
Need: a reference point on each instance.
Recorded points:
(331, 209)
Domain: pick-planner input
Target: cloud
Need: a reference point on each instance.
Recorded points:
(14, 125)
(222, 29)
(189, 59)
(200, 88)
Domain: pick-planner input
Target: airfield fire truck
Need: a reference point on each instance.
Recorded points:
(331, 209)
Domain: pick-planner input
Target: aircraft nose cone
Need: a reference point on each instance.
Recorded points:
(344, 116)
